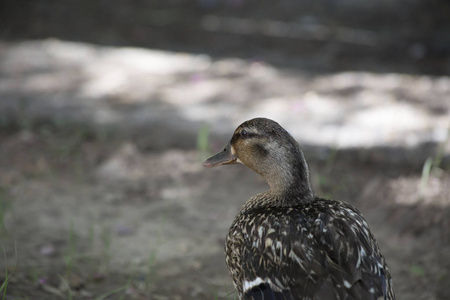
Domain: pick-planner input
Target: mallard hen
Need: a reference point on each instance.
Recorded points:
(288, 243)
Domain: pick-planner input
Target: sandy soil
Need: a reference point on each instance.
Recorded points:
(107, 217)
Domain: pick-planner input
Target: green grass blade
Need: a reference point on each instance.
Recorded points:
(112, 292)
(426, 170)
(203, 139)
(4, 284)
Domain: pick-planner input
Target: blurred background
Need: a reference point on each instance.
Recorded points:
(107, 109)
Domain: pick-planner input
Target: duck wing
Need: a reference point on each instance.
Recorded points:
(322, 250)
(352, 257)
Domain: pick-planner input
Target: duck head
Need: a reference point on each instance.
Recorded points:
(268, 149)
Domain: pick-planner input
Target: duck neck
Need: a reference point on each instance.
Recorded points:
(288, 179)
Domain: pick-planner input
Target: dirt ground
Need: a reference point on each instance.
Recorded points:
(102, 192)
(104, 217)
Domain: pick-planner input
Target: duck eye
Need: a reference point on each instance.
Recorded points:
(243, 133)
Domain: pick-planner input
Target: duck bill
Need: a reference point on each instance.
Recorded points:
(224, 157)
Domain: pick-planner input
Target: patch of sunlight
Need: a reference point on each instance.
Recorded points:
(389, 117)
(115, 69)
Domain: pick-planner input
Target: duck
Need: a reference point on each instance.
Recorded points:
(289, 244)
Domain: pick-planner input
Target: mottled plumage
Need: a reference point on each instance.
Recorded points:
(287, 243)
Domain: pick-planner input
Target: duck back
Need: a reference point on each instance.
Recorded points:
(322, 249)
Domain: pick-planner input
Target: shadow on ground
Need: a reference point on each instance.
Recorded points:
(319, 36)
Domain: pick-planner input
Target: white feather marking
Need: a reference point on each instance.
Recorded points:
(347, 284)
(361, 254)
(278, 245)
(248, 285)
(260, 231)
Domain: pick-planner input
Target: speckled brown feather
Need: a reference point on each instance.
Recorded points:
(306, 251)
(287, 243)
